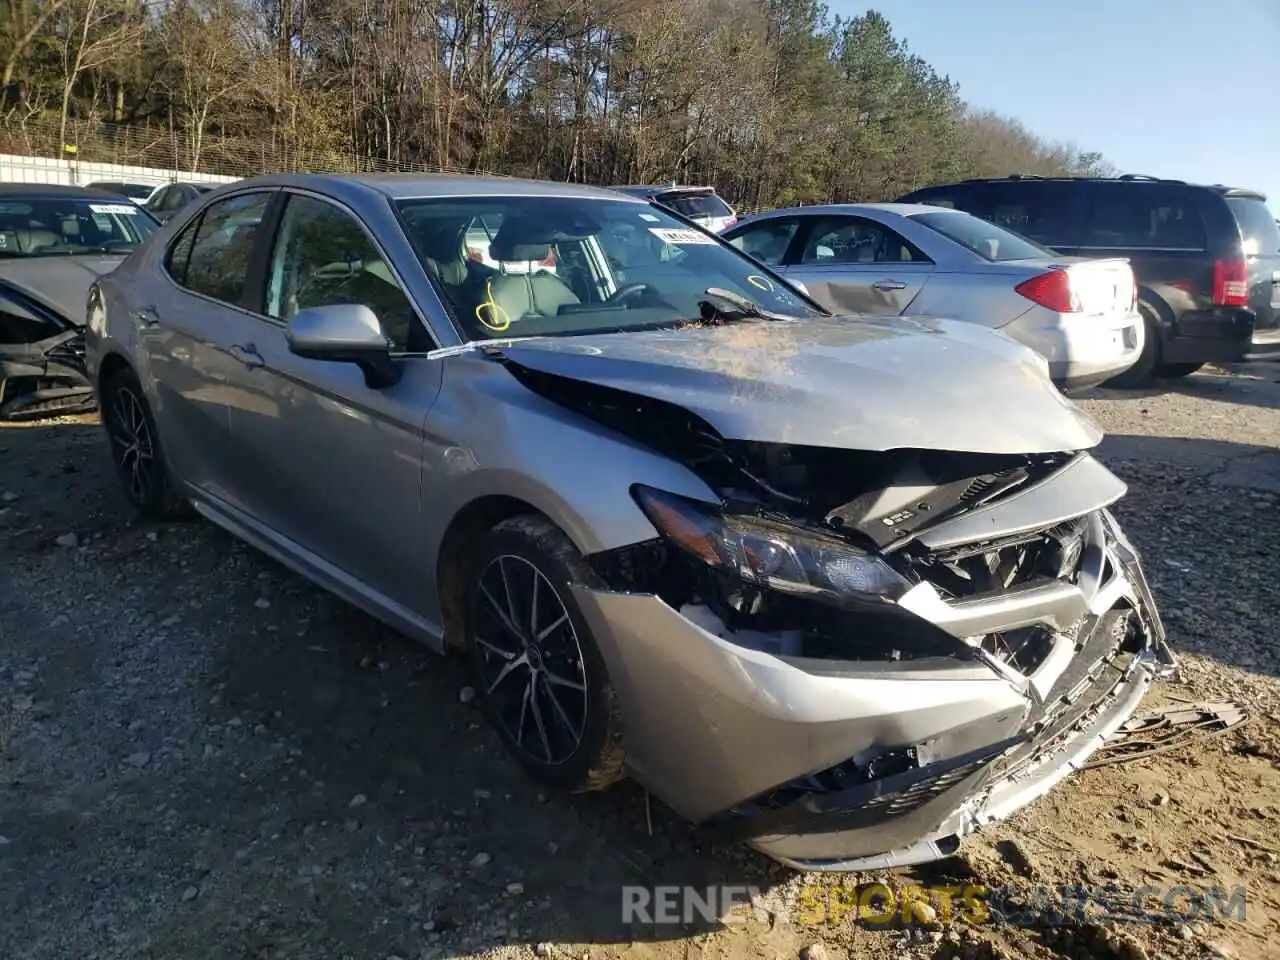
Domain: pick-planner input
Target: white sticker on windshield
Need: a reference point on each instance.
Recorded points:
(122, 209)
(650, 218)
(680, 237)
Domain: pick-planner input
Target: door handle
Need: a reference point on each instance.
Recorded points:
(147, 316)
(247, 354)
(884, 286)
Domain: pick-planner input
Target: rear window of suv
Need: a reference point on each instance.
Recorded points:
(1257, 226)
(696, 205)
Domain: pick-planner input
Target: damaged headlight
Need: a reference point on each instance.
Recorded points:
(784, 558)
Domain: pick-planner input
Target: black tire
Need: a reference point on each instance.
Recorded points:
(136, 452)
(1175, 371)
(574, 740)
(1139, 375)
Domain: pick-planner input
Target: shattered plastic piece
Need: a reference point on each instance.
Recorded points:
(1167, 730)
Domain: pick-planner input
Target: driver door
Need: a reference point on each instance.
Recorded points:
(328, 464)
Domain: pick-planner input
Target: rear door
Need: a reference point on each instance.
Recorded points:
(189, 317)
(1260, 242)
(851, 264)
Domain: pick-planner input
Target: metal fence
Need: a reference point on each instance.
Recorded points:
(149, 145)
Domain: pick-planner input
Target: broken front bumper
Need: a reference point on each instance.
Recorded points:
(45, 378)
(786, 753)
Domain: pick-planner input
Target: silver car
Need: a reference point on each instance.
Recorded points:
(842, 589)
(901, 259)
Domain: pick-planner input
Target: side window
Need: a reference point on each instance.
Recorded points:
(173, 199)
(1150, 216)
(853, 240)
(323, 256)
(218, 262)
(767, 242)
(1043, 212)
(180, 253)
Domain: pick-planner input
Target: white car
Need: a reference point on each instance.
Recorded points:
(898, 259)
(700, 204)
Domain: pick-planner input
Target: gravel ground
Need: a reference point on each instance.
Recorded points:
(201, 755)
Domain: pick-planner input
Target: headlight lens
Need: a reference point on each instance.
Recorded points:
(775, 555)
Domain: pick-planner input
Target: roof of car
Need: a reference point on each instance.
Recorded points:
(36, 190)
(405, 186)
(848, 209)
(1128, 178)
(653, 190)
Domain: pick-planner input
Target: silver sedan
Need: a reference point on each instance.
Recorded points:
(843, 589)
(902, 259)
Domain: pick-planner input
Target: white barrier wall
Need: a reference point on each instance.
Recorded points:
(17, 169)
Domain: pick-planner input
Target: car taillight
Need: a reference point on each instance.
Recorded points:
(1052, 291)
(1230, 283)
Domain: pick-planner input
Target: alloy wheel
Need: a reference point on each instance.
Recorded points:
(132, 443)
(530, 664)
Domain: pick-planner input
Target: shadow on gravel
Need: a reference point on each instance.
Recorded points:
(1206, 516)
(387, 771)
(1254, 385)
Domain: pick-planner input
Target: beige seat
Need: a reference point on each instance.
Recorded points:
(534, 294)
(29, 241)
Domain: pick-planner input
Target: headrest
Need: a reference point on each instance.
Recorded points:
(506, 252)
(441, 239)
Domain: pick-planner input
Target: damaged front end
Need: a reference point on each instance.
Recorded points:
(42, 370)
(854, 658)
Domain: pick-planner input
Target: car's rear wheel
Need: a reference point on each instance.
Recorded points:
(1139, 374)
(1175, 371)
(539, 674)
(136, 451)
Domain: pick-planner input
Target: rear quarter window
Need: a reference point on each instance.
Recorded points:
(1258, 231)
(989, 241)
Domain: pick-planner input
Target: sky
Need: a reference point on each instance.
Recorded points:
(1185, 89)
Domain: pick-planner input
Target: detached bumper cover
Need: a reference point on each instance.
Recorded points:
(860, 764)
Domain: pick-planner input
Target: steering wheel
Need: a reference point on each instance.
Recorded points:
(626, 291)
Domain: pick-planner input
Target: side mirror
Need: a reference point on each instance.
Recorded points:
(344, 333)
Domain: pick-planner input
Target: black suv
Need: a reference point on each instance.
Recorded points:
(1207, 258)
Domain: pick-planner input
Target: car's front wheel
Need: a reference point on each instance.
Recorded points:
(136, 452)
(539, 674)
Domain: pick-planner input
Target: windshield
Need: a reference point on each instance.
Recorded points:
(992, 243)
(560, 266)
(51, 226)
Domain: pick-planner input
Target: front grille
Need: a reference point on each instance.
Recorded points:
(918, 794)
(997, 565)
(1097, 690)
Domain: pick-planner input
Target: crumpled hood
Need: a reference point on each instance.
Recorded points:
(59, 282)
(849, 382)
